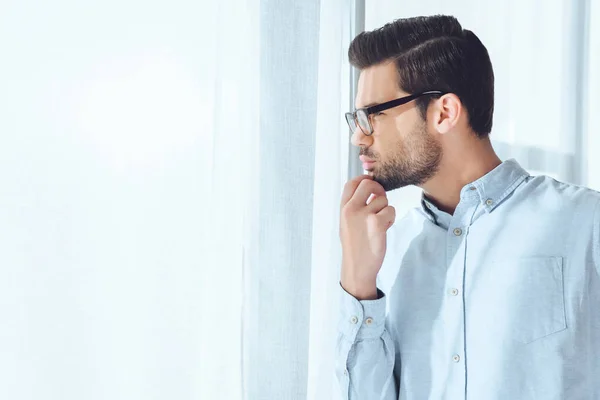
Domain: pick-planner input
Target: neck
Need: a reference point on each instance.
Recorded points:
(461, 165)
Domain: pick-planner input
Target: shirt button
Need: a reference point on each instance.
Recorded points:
(456, 358)
(457, 232)
(346, 372)
(354, 320)
(472, 188)
(369, 321)
(454, 292)
(489, 202)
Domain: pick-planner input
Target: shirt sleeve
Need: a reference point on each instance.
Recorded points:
(365, 351)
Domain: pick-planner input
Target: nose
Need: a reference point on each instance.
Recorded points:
(359, 139)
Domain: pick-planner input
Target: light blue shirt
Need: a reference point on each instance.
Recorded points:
(500, 301)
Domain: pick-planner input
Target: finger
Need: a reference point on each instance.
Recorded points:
(386, 217)
(365, 189)
(377, 204)
(350, 187)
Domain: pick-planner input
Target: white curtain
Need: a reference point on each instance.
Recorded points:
(171, 173)
(106, 289)
(292, 253)
(170, 180)
(591, 90)
(545, 59)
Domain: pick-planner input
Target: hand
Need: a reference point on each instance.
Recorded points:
(363, 233)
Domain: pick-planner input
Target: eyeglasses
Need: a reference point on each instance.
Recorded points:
(362, 116)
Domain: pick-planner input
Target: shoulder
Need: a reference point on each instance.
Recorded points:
(551, 194)
(575, 207)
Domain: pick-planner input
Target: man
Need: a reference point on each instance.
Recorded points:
(491, 288)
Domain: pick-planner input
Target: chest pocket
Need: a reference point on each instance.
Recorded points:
(535, 297)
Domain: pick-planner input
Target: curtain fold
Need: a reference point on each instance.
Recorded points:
(290, 307)
(276, 311)
(331, 172)
(300, 143)
(591, 89)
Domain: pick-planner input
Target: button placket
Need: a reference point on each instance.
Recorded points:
(457, 238)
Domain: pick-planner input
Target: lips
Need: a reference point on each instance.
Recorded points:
(368, 166)
(367, 162)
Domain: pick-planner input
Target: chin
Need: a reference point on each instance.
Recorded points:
(388, 185)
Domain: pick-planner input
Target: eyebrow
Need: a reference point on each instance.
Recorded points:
(368, 105)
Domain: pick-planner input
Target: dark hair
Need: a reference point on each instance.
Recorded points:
(433, 53)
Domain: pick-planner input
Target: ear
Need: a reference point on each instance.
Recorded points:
(447, 111)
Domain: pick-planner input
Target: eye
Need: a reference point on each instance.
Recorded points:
(379, 113)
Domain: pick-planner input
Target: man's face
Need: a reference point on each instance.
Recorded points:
(404, 150)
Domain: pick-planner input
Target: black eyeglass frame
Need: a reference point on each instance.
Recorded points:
(352, 117)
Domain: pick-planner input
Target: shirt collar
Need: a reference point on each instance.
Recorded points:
(491, 189)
